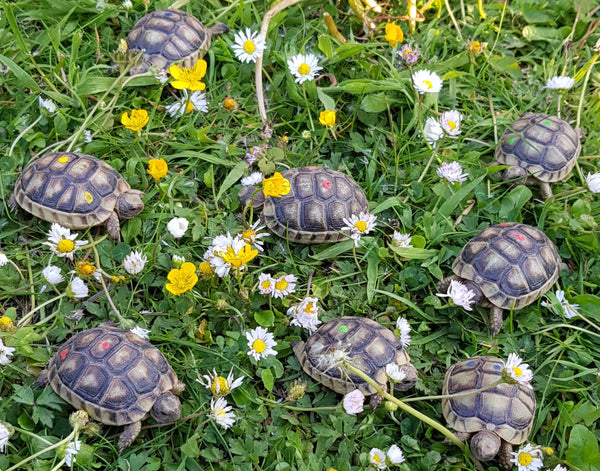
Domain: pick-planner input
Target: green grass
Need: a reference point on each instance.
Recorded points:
(63, 50)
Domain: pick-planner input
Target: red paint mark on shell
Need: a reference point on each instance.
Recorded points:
(519, 237)
(505, 223)
(326, 184)
(105, 345)
(63, 354)
(312, 168)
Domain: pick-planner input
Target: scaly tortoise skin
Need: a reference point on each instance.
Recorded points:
(539, 146)
(368, 345)
(508, 266)
(313, 211)
(168, 37)
(117, 377)
(77, 191)
(494, 419)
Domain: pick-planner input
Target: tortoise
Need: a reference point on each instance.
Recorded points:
(313, 211)
(117, 377)
(494, 419)
(77, 191)
(170, 36)
(540, 148)
(507, 266)
(364, 343)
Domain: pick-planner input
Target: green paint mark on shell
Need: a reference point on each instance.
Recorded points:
(547, 122)
(511, 140)
(343, 328)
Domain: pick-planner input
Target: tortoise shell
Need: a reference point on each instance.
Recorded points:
(313, 211)
(513, 264)
(545, 146)
(366, 344)
(112, 374)
(506, 409)
(75, 190)
(170, 36)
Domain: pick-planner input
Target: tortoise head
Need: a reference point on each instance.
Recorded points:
(130, 204)
(167, 408)
(251, 196)
(485, 445)
(410, 377)
(514, 173)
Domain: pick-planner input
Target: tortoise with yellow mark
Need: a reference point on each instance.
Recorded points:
(117, 377)
(77, 191)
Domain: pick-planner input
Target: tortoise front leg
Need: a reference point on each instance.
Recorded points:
(113, 227)
(504, 455)
(495, 320)
(128, 436)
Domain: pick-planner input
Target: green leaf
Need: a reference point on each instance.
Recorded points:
(267, 378)
(43, 416)
(190, 447)
(264, 318)
(583, 450)
(326, 46)
(388, 203)
(452, 203)
(328, 102)
(334, 250)
(50, 399)
(121, 251)
(538, 33)
(372, 275)
(513, 202)
(375, 103)
(206, 157)
(414, 253)
(232, 178)
(23, 395)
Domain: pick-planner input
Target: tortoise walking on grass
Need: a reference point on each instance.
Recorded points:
(313, 211)
(117, 377)
(77, 191)
(363, 343)
(507, 266)
(170, 36)
(539, 147)
(494, 419)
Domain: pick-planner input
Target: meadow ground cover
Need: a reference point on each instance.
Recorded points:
(410, 103)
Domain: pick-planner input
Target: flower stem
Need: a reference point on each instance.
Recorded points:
(465, 393)
(65, 440)
(27, 318)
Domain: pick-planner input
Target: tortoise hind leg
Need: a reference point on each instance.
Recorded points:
(128, 436)
(495, 320)
(504, 455)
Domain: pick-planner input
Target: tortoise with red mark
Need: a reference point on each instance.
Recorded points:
(507, 266)
(117, 377)
(76, 191)
(313, 211)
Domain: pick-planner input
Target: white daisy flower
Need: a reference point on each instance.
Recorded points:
(377, 458)
(4, 436)
(593, 182)
(432, 131)
(304, 67)
(134, 262)
(52, 275)
(47, 105)
(5, 352)
(252, 235)
(87, 136)
(253, 179)
(558, 467)
(195, 101)
(228, 252)
(426, 81)
(61, 242)
(249, 45)
(71, 451)
(221, 412)
(452, 172)
(528, 458)
(218, 385)
(260, 343)
(127, 5)
(140, 332)
(560, 82)
(353, 402)
(450, 122)
(3, 259)
(404, 328)
(305, 314)
(460, 295)
(393, 372)
(359, 225)
(77, 288)
(266, 283)
(284, 286)
(395, 455)
(517, 371)
(568, 310)
(401, 240)
(177, 227)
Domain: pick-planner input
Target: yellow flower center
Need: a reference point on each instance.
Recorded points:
(376, 459)
(229, 103)
(525, 459)
(281, 284)
(361, 226)
(5, 321)
(309, 307)
(189, 107)
(452, 125)
(205, 268)
(259, 346)
(223, 386)
(406, 53)
(66, 246)
(86, 268)
(304, 69)
(249, 47)
(249, 235)
(265, 284)
(220, 412)
(518, 371)
(428, 84)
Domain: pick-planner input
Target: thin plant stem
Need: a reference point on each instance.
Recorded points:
(448, 396)
(27, 317)
(22, 133)
(429, 162)
(447, 3)
(42, 451)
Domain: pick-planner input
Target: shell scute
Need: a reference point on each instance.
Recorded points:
(91, 385)
(123, 358)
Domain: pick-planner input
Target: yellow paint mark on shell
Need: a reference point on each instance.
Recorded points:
(88, 198)
(63, 158)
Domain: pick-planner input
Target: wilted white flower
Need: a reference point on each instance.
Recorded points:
(392, 370)
(359, 225)
(188, 103)
(401, 240)
(143, 333)
(304, 67)
(569, 310)
(5, 352)
(221, 412)
(450, 122)
(3, 259)
(432, 131)
(61, 242)
(452, 172)
(248, 45)
(426, 81)
(305, 314)
(87, 136)
(560, 82)
(134, 262)
(460, 295)
(260, 343)
(284, 286)
(377, 458)
(353, 402)
(177, 227)
(593, 182)
(395, 455)
(404, 328)
(252, 235)
(71, 451)
(218, 385)
(4, 435)
(77, 288)
(517, 371)
(528, 458)
(52, 275)
(253, 179)
(47, 104)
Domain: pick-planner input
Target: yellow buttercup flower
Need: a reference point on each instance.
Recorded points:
(157, 168)
(182, 279)
(189, 79)
(327, 118)
(393, 34)
(241, 257)
(276, 186)
(229, 104)
(136, 120)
